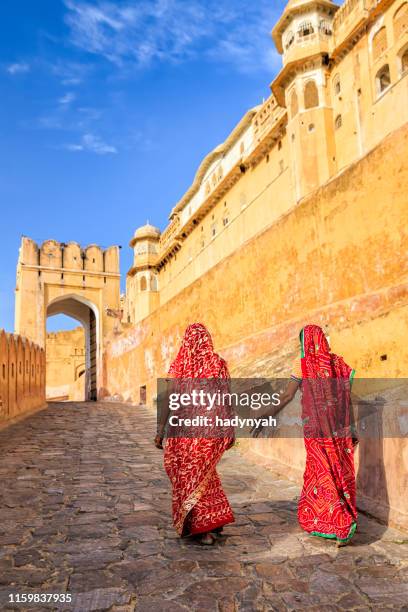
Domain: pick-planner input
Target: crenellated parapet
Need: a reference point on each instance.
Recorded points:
(61, 256)
(22, 376)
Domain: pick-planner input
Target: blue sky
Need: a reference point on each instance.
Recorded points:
(108, 107)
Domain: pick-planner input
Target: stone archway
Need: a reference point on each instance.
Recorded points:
(87, 314)
(83, 283)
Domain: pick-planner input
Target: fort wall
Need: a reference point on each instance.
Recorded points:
(22, 377)
(339, 259)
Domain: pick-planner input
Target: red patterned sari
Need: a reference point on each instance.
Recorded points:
(327, 506)
(199, 502)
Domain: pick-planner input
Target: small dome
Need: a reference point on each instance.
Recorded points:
(147, 231)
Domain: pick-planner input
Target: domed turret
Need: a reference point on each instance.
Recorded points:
(142, 278)
(146, 231)
(304, 24)
(304, 34)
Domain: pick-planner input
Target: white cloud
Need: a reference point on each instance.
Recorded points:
(92, 144)
(71, 81)
(67, 98)
(73, 147)
(146, 31)
(18, 68)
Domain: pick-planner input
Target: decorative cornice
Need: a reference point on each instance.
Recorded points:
(80, 271)
(214, 155)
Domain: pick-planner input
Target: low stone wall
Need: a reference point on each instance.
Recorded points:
(22, 377)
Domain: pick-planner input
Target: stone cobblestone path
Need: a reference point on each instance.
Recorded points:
(85, 509)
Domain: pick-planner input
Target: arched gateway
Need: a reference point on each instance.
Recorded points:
(58, 278)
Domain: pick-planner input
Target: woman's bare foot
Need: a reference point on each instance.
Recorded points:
(207, 539)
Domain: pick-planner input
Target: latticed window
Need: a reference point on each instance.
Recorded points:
(380, 43)
(404, 61)
(325, 27)
(294, 106)
(383, 79)
(401, 20)
(289, 40)
(311, 95)
(305, 28)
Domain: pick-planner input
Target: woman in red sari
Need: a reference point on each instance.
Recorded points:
(327, 505)
(200, 505)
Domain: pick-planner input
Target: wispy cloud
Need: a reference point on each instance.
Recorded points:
(145, 31)
(18, 68)
(67, 98)
(70, 74)
(92, 144)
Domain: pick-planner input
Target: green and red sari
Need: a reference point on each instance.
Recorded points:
(327, 506)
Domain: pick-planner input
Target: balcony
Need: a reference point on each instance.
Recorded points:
(308, 46)
(266, 124)
(169, 240)
(348, 20)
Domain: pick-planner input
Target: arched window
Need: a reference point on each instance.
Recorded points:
(379, 43)
(294, 106)
(403, 60)
(289, 39)
(305, 28)
(337, 85)
(338, 122)
(153, 283)
(401, 20)
(383, 79)
(311, 95)
(143, 284)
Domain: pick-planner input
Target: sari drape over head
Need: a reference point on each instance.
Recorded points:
(327, 506)
(199, 502)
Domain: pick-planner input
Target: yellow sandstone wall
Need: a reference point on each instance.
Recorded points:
(65, 351)
(22, 377)
(338, 259)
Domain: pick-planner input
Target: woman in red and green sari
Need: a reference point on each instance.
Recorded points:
(327, 505)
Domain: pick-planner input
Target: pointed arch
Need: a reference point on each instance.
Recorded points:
(311, 94)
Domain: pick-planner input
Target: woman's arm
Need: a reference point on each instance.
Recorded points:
(163, 417)
(285, 398)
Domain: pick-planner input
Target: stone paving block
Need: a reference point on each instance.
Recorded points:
(99, 599)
